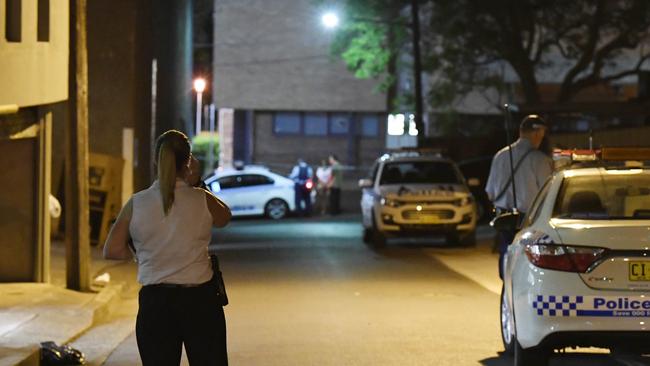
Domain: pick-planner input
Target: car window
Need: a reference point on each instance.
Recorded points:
(255, 180)
(538, 203)
(231, 181)
(419, 172)
(611, 195)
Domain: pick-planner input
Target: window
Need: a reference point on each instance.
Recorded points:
(419, 172)
(369, 125)
(339, 123)
(232, 181)
(43, 21)
(13, 20)
(286, 123)
(316, 124)
(255, 180)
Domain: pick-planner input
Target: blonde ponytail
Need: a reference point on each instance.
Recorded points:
(167, 175)
(173, 151)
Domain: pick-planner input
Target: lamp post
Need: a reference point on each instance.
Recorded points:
(199, 87)
(331, 20)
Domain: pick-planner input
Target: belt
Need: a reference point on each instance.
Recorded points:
(177, 285)
(499, 210)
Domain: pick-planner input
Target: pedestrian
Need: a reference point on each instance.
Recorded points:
(170, 224)
(531, 169)
(323, 174)
(301, 174)
(334, 185)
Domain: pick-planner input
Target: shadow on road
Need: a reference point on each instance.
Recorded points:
(574, 359)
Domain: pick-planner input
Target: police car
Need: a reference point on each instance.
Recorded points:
(253, 190)
(578, 272)
(417, 193)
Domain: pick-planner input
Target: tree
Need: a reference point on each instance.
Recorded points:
(468, 43)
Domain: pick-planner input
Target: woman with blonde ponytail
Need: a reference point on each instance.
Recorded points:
(170, 225)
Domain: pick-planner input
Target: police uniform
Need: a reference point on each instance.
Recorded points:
(532, 168)
(300, 174)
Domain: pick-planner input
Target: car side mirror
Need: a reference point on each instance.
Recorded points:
(508, 221)
(365, 183)
(473, 182)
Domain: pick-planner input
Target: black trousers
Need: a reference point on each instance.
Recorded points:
(169, 317)
(302, 194)
(335, 201)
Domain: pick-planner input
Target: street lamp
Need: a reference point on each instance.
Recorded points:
(199, 87)
(331, 20)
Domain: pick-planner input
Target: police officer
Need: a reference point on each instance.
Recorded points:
(300, 174)
(531, 169)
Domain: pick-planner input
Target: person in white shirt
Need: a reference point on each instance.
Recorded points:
(531, 169)
(170, 224)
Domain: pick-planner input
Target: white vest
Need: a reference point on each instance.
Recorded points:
(172, 248)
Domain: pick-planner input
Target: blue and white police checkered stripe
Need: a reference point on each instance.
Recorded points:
(598, 306)
(557, 305)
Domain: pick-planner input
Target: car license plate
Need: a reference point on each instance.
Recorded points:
(639, 270)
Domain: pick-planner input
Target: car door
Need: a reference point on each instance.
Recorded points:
(229, 189)
(255, 191)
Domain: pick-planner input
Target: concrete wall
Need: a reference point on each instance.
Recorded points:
(639, 136)
(31, 72)
(274, 55)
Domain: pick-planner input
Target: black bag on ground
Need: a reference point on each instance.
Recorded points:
(217, 280)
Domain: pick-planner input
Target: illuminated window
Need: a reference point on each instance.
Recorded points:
(396, 124)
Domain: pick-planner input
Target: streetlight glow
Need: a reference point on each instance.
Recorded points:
(199, 85)
(330, 19)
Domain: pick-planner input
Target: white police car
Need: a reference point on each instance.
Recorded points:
(254, 190)
(417, 193)
(578, 271)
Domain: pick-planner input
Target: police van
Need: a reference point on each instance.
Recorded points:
(415, 193)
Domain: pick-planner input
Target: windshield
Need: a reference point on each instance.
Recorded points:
(419, 172)
(614, 195)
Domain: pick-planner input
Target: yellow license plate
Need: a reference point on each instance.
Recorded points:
(639, 270)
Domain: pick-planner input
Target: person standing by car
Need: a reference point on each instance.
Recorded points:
(301, 175)
(334, 185)
(323, 173)
(170, 224)
(531, 169)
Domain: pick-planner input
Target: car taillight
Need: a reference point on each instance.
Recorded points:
(563, 257)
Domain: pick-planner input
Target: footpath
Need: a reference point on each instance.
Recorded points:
(31, 313)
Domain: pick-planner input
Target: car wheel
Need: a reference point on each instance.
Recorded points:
(375, 237)
(276, 209)
(530, 356)
(367, 235)
(507, 324)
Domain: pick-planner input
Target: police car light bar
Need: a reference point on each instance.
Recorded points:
(576, 155)
(625, 153)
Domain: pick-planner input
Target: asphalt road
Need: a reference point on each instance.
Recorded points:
(309, 292)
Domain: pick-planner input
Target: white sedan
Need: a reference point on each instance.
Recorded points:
(254, 190)
(578, 272)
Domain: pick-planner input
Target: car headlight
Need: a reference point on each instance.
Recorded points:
(390, 202)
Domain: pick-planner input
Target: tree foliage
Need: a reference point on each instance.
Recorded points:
(467, 44)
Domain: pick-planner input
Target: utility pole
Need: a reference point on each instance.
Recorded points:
(417, 71)
(77, 223)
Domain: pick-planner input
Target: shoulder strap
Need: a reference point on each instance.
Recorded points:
(507, 185)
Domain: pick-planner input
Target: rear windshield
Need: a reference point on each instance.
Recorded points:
(616, 194)
(419, 172)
